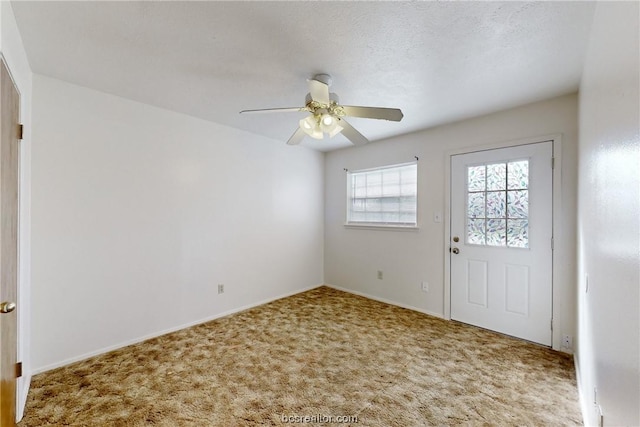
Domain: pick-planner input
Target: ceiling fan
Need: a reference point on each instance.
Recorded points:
(328, 116)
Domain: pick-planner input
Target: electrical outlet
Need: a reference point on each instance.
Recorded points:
(380, 274)
(221, 289)
(425, 286)
(567, 342)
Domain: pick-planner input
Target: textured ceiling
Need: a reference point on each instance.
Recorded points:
(437, 61)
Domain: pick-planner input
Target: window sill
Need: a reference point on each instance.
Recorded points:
(385, 227)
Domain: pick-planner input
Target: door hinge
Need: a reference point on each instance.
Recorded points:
(18, 369)
(552, 324)
(20, 130)
(553, 163)
(552, 244)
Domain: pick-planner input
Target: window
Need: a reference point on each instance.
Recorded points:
(498, 204)
(383, 196)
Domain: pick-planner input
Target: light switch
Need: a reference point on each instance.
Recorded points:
(437, 216)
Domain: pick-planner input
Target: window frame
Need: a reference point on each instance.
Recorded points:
(373, 224)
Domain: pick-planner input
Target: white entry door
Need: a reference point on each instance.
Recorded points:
(501, 240)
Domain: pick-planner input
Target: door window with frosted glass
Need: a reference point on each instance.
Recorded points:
(498, 204)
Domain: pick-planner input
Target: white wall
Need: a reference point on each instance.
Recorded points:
(15, 56)
(608, 355)
(139, 213)
(353, 256)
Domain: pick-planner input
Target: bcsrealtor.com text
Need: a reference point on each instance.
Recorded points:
(319, 418)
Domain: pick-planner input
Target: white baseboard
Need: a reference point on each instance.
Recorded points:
(167, 331)
(386, 301)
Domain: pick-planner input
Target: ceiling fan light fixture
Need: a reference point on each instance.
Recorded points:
(336, 130)
(329, 124)
(311, 127)
(304, 124)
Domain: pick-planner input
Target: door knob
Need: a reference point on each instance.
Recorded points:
(455, 251)
(7, 307)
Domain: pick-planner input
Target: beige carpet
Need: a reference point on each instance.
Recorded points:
(322, 353)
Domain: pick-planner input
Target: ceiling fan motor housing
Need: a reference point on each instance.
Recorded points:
(332, 96)
(323, 78)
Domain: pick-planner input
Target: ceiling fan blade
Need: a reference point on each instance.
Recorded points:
(297, 137)
(319, 92)
(393, 114)
(276, 110)
(352, 134)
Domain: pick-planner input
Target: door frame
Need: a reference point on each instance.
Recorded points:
(556, 140)
(19, 296)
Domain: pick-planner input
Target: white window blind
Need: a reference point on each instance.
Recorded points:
(383, 196)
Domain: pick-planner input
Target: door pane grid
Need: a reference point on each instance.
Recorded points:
(498, 204)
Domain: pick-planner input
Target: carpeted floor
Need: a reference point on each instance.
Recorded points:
(322, 353)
